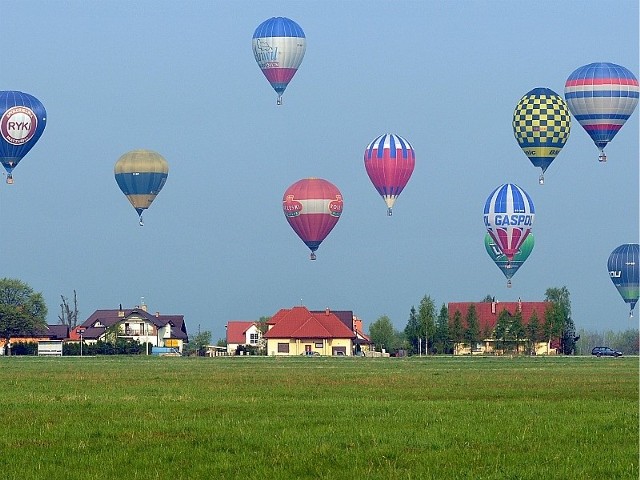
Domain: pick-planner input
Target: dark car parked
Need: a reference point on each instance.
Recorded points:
(606, 352)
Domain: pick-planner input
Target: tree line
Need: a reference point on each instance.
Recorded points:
(432, 331)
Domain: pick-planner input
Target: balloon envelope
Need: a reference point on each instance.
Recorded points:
(601, 96)
(389, 161)
(509, 268)
(541, 125)
(624, 267)
(22, 121)
(312, 207)
(141, 174)
(278, 46)
(508, 216)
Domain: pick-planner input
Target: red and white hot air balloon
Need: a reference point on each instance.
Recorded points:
(312, 207)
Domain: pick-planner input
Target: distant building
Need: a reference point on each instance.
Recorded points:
(242, 334)
(134, 324)
(298, 331)
(49, 333)
(488, 313)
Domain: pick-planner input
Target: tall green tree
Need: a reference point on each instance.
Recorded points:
(456, 331)
(412, 331)
(427, 319)
(383, 334)
(472, 328)
(557, 316)
(534, 332)
(516, 329)
(22, 311)
(501, 332)
(441, 340)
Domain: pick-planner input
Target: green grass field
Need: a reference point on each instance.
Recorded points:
(325, 418)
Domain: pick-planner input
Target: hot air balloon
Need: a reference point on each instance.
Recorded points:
(508, 217)
(624, 268)
(389, 161)
(601, 96)
(541, 125)
(312, 207)
(509, 268)
(141, 174)
(22, 121)
(279, 45)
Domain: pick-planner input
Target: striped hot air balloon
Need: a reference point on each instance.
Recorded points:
(624, 270)
(509, 268)
(389, 161)
(141, 174)
(278, 46)
(22, 121)
(312, 207)
(541, 125)
(601, 96)
(508, 216)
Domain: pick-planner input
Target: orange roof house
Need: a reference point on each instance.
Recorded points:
(298, 331)
(488, 313)
(242, 333)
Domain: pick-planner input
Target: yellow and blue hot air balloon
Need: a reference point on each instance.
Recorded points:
(141, 174)
(541, 125)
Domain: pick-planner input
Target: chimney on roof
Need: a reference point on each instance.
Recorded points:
(519, 304)
(493, 307)
(157, 314)
(143, 307)
(327, 311)
(120, 312)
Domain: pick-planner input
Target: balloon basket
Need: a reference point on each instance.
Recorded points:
(389, 212)
(541, 180)
(508, 283)
(602, 157)
(10, 179)
(279, 101)
(312, 256)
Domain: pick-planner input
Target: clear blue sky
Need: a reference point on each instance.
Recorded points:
(180, 78)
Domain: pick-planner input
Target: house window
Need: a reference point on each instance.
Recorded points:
(283, 348)
(319, 345)
(253, 338)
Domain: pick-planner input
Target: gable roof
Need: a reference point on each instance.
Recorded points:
(488, 312)
(100, 320)
(237, 330)
(298, 322)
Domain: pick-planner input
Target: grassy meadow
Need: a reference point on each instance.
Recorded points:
(319, 418)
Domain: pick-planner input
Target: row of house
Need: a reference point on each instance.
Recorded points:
(291, 331)
(132, 324)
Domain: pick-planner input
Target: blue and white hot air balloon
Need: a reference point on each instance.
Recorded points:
(601, 96)
(22, 121)
(508, 216)
(624, 270)
(278, 46)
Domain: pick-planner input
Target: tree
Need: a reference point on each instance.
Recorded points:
(427, 319)
(472, 330)
(557, 316)
(488, 299)
(198, 344)
(456, 330)
(69, 316)
(22, 311)
(382, 334)
(412, 330)
(441, 341)
(516, 329)
(501, 332)
(534, 332)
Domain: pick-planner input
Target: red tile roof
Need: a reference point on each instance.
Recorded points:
(298, 322)
(236, 331)
(488, 312)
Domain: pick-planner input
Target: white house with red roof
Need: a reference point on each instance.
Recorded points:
(242, 334)
(134, 324)
(299, 331)
(488, 314)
